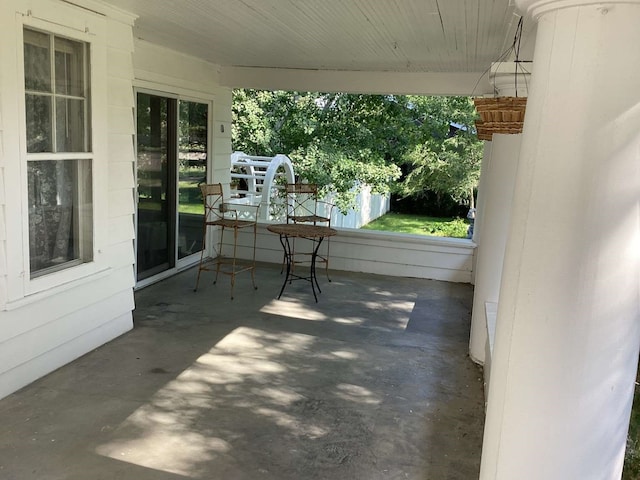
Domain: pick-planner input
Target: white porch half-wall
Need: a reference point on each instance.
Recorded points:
(383, 253)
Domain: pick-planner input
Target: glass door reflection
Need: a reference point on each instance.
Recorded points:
(156, 149)
(192, 171)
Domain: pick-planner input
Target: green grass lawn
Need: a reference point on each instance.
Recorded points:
(421, 225)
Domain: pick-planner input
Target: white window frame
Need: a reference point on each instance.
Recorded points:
(84, 228)
(94, 35)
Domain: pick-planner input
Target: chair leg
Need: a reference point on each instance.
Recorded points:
(326, 260)
(219, 259)
(293, 255)
(204, 236)
(253, 264)
(233, 281)
(233, 260)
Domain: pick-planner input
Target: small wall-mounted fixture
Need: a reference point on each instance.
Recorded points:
(222, 128)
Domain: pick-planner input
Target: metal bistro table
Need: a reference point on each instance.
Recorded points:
(316, 234)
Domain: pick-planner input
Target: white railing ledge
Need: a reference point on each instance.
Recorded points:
(406, 237)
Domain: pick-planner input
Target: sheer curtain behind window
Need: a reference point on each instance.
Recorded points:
(59, 188)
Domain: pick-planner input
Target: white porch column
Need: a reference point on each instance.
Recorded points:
(496, 183)
(480, 201)
(568, 329)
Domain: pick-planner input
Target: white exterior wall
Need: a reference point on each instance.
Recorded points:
(48, 322)
(51, 320)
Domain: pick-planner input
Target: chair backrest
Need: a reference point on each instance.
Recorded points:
(217, 208)
(302, 189)
(213, 201)
(302, 203)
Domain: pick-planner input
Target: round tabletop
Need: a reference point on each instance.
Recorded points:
(301, 230)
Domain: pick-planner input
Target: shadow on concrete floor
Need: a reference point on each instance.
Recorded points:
(372, 382)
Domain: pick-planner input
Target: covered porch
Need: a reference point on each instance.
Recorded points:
(556, 266)
(374, 381)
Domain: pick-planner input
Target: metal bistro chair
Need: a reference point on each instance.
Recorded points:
(303, 206)
(218, 213)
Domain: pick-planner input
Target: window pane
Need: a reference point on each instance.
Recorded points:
(38, 123)
(59, 191)
(70, 130)
(192, 161)
(69, 67)
(70, 125)
(37, 64)
(155, 231)
(60, 218)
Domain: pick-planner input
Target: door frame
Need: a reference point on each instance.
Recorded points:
(178, 95)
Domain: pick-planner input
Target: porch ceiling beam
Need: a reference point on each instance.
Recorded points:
(355, 81)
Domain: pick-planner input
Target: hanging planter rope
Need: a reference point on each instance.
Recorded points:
(502, 114)
(499, 115)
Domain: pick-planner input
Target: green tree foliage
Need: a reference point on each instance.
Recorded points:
(344, 141)
(268, 123)
(343, 174)
(447, 160)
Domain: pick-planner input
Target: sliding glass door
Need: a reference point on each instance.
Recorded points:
(172, 154)
(156, 200)
(192, 171)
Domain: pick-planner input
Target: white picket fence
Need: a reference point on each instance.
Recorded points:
(260, 173)
(369, 207)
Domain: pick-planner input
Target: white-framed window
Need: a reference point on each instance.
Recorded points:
(58, 151)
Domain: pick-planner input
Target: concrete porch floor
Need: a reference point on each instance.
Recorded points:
(372, 382)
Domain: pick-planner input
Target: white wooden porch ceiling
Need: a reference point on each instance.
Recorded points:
(353, 35)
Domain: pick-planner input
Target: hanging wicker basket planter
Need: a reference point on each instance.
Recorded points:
(499, 115)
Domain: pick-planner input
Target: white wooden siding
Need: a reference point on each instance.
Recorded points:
(42, 329)
(222, 144)
(12, 260)
(121, 229)
(3, 225)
